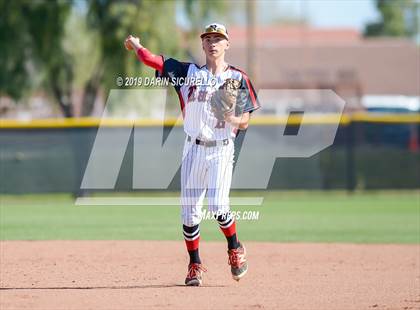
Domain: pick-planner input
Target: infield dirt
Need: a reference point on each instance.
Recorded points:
(150, 274)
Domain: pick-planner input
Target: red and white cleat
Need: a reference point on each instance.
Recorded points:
(195, 275)
(237, 262)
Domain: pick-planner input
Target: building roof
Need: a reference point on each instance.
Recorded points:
(302, 57)
(271, 36)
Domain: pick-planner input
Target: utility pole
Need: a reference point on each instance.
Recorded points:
(251, 40)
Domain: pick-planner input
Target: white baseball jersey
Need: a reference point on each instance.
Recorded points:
(206, 170)
(199, 121)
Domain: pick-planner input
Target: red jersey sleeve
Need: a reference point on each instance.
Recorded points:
(149, 59)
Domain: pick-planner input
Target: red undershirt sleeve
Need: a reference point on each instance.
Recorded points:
(149, 59)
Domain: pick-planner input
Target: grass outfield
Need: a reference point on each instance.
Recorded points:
(378, 217)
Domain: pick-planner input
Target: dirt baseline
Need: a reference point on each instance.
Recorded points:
(150, 274)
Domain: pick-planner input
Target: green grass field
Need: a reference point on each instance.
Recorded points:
(377, 217)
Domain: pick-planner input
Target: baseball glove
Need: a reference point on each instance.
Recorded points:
(224, 99)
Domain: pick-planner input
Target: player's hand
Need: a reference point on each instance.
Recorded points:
(132, 43)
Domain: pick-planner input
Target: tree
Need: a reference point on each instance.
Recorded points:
(62, 45)
(45, 21)
(44, 48)
(13, 78)
(32, 32)
(113, 21)
(398, 19)
(199, 12)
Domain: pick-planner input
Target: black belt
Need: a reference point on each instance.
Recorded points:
(209, 143)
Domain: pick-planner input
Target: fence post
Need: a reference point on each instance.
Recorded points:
(350, 157)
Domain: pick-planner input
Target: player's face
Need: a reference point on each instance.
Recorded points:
(215, 45)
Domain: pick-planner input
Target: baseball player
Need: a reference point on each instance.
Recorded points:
(211, 122)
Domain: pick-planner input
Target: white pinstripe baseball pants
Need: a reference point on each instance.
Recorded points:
(205, 171)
